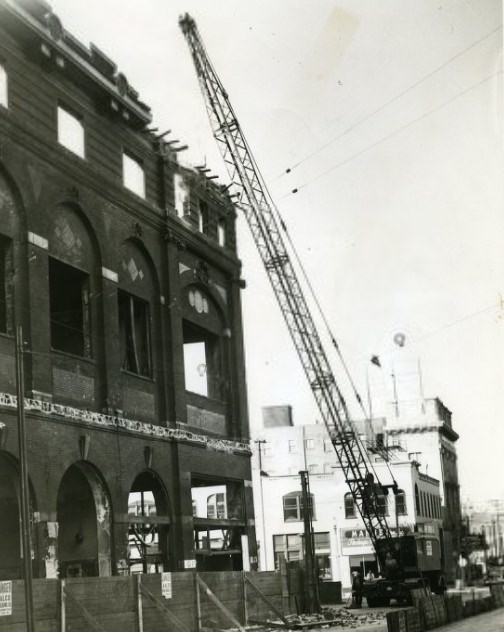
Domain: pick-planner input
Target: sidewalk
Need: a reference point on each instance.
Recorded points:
(487, 622)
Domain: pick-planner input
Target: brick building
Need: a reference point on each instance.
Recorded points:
(120, 266)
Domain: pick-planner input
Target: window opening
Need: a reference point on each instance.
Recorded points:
(221, 233)
(70, 132)
(202, 362)
(181, 194)
(203, 217)
(309, 444)
(417, 500)
(349, 506)
(400, 500)
(292, 446)
(133, 175)
(293, 507)
(381, 504)
(69, 309)
(134, 334)
(3, 87)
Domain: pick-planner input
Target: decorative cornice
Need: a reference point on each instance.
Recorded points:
(109, 421)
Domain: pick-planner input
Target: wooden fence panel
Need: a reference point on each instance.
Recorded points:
(182, 603)
(228, 588)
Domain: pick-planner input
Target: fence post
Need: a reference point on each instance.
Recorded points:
(139, 603)
(198, 602)
(62, 606)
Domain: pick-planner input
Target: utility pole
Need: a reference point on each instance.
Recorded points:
(261, 474)
(310, 567)
(25, 485)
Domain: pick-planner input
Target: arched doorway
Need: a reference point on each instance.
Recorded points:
(84, 545)
(149, 525)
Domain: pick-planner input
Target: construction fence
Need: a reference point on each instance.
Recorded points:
(182, 602)
(433, 611)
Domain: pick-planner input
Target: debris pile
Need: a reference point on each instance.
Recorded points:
(331, 617)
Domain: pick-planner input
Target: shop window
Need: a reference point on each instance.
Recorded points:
(400, 500)
(221, 233)
(203, 219)
(322, 549)
(293, 506)
(202, 362)
(70, 132)
(3, 87)
(349, 506)
(69, 309)
(5, 287)
(133, 175)
(134, 334)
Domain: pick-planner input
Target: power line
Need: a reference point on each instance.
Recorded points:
(386, 104)
(391, 135)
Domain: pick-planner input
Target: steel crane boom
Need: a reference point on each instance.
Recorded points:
(259, 210)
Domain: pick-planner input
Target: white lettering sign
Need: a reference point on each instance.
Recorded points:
(166, 585)
(5, 599)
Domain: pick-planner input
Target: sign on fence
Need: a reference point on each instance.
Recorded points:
(166, 585)
(5, 599)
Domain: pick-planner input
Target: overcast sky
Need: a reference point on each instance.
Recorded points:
(393, 110)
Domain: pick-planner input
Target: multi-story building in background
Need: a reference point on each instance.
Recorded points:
(120, 267)
(341, 541)
(486, 518)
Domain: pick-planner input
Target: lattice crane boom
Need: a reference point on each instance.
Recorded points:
(254, 200)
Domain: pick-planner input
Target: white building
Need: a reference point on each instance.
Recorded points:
(341, 542)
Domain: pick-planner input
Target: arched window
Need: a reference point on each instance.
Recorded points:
(417, 500)
(349, 506)
(293, 506)
(3, 87)
(400, 500)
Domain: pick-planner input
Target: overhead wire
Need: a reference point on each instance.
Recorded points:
(386, 104)
(391, 134)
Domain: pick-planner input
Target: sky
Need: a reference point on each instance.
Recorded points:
(389, 116)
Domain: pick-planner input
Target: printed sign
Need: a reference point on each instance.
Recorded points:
(360, 537)
(166, 585)
(189, 563)
(5, 599)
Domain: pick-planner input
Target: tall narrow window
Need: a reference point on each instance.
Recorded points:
(69, 308)
(181, 194)
(381, 504)
(221, 233)
(417, 500)
(3, 87)
(349, 506)
(400, 500)
(70, 132)
(203, 217)
(134, 333)
(133, 175)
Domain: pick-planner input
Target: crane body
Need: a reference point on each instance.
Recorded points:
(266, 228)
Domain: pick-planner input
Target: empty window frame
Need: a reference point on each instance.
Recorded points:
(221, 233)
(349, 506)
(6, 295)
(69, 309)
(134, 334)
(133, 175)
(293, 506)
(71, 132)
(203, 218)
(203, 364)
(4, 96)
(216, 506)
(181, 194)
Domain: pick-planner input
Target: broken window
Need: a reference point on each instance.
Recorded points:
(5, 287)
(134, 334)
(70, 132)
(203, 217)
(69, 309)
(133, 175)
(3, 87)
(202, 362)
